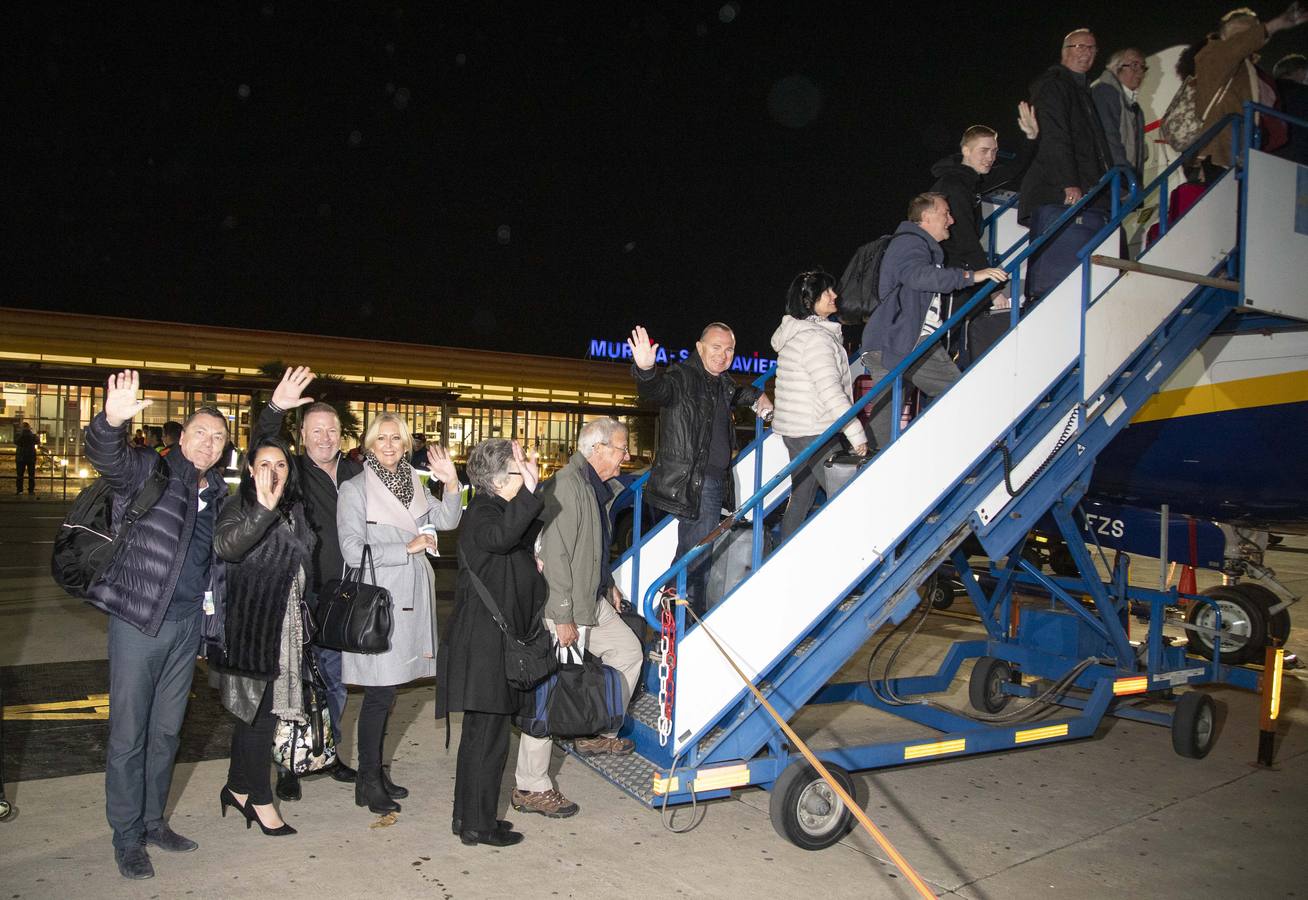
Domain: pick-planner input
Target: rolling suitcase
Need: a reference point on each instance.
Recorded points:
(1058, 256)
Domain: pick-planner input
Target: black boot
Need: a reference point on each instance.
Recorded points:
(393, 790)
(369, 792)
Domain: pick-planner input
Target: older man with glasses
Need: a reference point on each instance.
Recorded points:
(1116, 99)
(583, 602)
(1073, 153)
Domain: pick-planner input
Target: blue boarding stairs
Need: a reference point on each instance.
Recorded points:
(1012, 440)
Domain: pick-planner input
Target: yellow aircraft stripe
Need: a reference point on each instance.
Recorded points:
(1243, 393)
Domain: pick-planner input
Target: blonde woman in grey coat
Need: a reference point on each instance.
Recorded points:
(814, 388)
(387, 508)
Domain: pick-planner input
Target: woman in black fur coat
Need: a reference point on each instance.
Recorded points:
(267, 542)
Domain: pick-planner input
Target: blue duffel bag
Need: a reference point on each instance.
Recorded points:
(583, 698)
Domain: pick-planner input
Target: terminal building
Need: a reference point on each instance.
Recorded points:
(54, 365)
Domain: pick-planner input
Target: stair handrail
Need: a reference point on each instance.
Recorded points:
(1113, 181)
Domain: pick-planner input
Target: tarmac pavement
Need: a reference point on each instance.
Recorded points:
(1119, 814)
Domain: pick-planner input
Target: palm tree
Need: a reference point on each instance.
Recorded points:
(326, 389)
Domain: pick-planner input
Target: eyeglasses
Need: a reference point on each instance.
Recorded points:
(1080, 47)
(624, 450)
(1138, 66)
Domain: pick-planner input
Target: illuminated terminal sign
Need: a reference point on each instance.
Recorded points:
(751, 363)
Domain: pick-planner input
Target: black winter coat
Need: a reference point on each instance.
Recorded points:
(138, 584)
(265, 553)
(963, 187)
(496, 540)
(319, 504)
(1072, 150)
(688, 395)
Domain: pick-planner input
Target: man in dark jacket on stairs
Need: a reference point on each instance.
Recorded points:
(912, 280)
(157, 591)
(691, 477)
(962, 178)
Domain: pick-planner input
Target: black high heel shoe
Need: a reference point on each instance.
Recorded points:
(226, 799)
(252, 818)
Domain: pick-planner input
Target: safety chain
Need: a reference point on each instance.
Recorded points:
(667, 665)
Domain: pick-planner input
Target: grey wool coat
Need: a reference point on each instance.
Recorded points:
(366, 512)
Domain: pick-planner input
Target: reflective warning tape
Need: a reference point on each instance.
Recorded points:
(1136, 684)
(663, 786)
(939, 748)
(721, 777)
(1040, 734)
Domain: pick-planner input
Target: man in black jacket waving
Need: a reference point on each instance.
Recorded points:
(691, 477)
(322, 469)
(1073, 152)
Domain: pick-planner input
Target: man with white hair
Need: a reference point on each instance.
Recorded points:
(583, 602)
(1117, 100)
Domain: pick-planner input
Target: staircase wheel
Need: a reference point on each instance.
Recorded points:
(938, 592)
(986, 686)
(1194, 725)
(1244, 625)
(806, 811)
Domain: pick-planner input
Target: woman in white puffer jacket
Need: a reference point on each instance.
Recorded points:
(813, 389)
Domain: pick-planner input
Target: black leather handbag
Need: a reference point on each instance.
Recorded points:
(527, 660)
(352, 615)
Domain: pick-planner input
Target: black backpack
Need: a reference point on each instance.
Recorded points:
(856, 292)
(86, 542)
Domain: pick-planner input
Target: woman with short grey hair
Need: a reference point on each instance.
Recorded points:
(496, 548)
(488, 464)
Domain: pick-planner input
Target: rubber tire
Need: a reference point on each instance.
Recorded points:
(1194, 725)
(938, 592)
(1253, 612)
(790, 790)
(1278, 625)
(983, 687)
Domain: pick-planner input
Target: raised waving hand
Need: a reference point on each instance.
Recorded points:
(289, 392)
(643, 352)
(120, 400)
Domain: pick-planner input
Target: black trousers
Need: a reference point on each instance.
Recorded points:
(248, 771)
(483, 752)
(30, 466)
(373, 713)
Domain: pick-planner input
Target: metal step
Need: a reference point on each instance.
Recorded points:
(632, 772)
(644, 709)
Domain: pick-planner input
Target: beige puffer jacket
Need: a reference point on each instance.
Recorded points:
(814, 385)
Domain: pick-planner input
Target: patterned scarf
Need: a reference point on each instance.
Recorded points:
(399, 482)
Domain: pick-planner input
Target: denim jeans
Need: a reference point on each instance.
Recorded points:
(691, 531)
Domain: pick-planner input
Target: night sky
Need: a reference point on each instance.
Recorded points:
(518, 177)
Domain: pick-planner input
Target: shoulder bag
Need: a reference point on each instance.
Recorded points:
(527, 660)
(353, 616)
(584, 697)
(309, 746)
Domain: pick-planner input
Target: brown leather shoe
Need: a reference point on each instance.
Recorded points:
(550, 804)
(597, 745)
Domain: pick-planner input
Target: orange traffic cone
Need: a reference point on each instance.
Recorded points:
(1187, 583)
